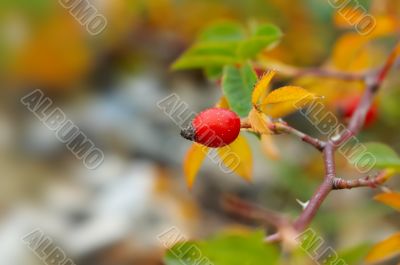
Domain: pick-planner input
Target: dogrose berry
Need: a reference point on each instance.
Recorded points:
(214, 127)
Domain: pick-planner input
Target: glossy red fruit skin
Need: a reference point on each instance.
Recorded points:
(216, 127)
(349, 106)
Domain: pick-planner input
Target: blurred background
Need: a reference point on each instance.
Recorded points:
(108, 84)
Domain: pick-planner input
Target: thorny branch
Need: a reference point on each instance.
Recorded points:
(373, 80)
(321, 193)
(368, 181)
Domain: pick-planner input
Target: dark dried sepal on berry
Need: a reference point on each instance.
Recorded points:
(188, 133)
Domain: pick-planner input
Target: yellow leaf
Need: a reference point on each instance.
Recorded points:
(269, 148)
(259, 122)
(238, 158)
(385, 249)
(279, 110)
(192, 162)
(285, 94)
(389, 198)
(222, 103)
(285, 100)
(261, 86)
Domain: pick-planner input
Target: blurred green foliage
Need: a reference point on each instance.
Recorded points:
(224, 249)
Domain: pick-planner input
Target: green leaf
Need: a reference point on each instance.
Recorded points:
(226, 43)
(216, 46)
(209, 54)
(385, 156)
(181, 253)
(225, 249)
(237, 84)
(223, 32)
(35, 8)
(213, 72)
(265, 37)
(268, 30)
(355, 255)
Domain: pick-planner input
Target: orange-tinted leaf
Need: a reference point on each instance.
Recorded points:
(238, 158)
(285, 94)
(54, 57)
(222, 103)
(269, 147)
(261, 86)
(259, 122)
(385, 25)
(385, 249)
(346, 17)
(350, 52)
(389, 198)
(192, 162)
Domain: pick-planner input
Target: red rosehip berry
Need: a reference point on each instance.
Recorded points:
(214, 127)
(348, 106)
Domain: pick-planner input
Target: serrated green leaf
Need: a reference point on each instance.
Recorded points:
(225, 249)
(237, 84)
(265, 37)
(385, 156)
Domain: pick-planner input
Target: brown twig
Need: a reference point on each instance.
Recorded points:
(326, 73)
(321, 193)
(368, 181)
(295, 72)
(280, 127)
(373, 81)
(248, 210)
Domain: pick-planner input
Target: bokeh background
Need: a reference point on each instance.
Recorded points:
(109, 85)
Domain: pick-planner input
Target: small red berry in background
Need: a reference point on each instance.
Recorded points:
(214, 127)
(348, 106)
